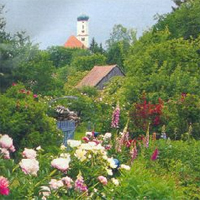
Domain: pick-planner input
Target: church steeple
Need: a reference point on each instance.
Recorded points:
(82, 30)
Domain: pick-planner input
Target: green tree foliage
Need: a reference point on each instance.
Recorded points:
(39, 75)
(61, 56)
(162, 67)
(118, 44)
(23, 117)
(95, 48)
(83, 63)
(183, 22)
(180, 114)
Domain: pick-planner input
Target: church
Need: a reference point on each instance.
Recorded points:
(82, 38)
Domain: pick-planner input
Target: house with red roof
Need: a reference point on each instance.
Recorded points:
(99, 75)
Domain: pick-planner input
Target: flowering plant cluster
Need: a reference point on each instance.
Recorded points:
(6, 146)
(81, 171)
(144, 113)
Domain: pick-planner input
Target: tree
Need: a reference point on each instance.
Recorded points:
(39, 75)
(183, 22)
(162, 67)
(118, 44)
(95, 48)
(83, 63)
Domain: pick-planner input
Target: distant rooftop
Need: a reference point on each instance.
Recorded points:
(83, 18)
(73, 42)
(95, 75)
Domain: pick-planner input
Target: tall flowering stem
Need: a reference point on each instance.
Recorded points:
(115, 117)
(155, 155)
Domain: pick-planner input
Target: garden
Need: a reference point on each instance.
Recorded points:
(138, 138)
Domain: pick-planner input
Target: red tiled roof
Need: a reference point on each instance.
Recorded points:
(95, 75)
(73, 42)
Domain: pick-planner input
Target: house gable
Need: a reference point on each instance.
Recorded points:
(100, 75)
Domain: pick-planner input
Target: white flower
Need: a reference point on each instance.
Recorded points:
(115, 181)
(6, 142)
(38, 148)
(107, 136)
(55, 184)
(61, 163)
(89, 134)
(112, 163)
(74, 143)
(109, 171)
(29, 153)
(29, 166)
(80, 154)
(62, 147)
(126, 167)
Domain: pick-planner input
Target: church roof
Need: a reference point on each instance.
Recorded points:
(95, 75)
(73, 42)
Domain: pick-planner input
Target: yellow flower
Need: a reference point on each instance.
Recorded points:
(80, 154)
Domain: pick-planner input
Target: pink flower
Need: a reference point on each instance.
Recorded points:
(14, 84)
(6, 142)
(61, 164)
(67, 181)
(29, 153)
(4, 190)
(79, 185)
(115, 117)
(155, 155)
(35, 96)
(12, 148)
(103, 180)
(5, 153)
(134, 154)
(55, 184)
(29, 166)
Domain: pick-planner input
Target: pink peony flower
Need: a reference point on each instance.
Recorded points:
(61, 164)
(29, 166)
(155, 155)
(67, 181)
(103, 180)
(12, 148)
(5, 153)
(29, 153)
(6, 142)
(4, 190)
(35, 96)
(55, 184)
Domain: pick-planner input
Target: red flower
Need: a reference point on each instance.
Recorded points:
(155, 155)
(14, 84)
(86, 139)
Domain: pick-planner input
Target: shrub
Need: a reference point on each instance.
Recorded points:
(23, 117)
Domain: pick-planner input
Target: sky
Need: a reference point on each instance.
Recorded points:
(51, 22)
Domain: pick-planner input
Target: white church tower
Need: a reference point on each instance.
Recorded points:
(82, 30)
